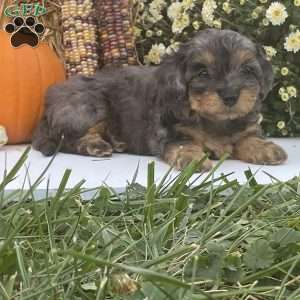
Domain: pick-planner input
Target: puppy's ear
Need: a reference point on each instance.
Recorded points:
(172, 86)
(266, 66)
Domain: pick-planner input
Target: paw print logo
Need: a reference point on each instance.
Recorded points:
(24, 31)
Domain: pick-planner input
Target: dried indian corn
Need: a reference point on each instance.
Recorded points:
(80, 38)
(116, 32)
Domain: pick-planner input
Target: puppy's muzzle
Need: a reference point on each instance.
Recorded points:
(230, 101)
(230, 98)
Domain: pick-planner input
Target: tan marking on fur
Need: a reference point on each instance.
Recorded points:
(256, 150)
(246, 102)
(241, 56)
(207, 57)
(207, 103)
(179, 156)
(218, 145)
(211, 105)
(93, 144)
(102, 129)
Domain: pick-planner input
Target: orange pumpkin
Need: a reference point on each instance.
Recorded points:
(25, 74)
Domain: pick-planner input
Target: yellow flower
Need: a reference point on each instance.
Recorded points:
(188, 4)
(263, 1)
(159, 33)
(259, 9)
(149, 33)
(155, 9)
(265, 22)
(281, 124)
(155, 54)
(217, 24)
(254, 15)
(276, 13)
(297, 2)
(270, 51)
(141, 6)
(226, 7)
(285, 97)
(292, 42)
(281, 91)
(196, 25)
(175, 10)
(292, 91)
(207, 11)
(137, 31)
(181, 23)
(284, 71)
(242, 2)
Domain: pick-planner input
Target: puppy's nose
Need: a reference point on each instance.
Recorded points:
(230, 101)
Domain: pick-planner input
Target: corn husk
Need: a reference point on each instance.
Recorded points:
(116, 32)
(80, 38)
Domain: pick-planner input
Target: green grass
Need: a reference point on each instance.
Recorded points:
(170, 240)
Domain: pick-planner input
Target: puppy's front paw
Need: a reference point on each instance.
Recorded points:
(259, 151)
(179, 156)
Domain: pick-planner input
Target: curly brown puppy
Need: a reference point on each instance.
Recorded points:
(204, 98)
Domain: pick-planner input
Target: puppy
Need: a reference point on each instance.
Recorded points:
(204, 99)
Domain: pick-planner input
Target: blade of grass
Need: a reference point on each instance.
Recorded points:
(21, 265)
(150, 197)
(185, 175)
(229, 218)
(3, 292)
(169, 256)
(10, 176)
(147, 273)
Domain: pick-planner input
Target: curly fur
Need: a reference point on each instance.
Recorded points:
(140, 105)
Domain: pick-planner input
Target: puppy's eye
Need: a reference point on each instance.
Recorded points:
(203, 72)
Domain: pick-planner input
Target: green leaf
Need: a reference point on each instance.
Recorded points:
(233, 268)
(284, 236)
(8, 262)
(153, 292)
(259, 255)
(215, 248)
(206, 266)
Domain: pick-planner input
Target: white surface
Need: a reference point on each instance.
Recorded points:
(119, 169)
